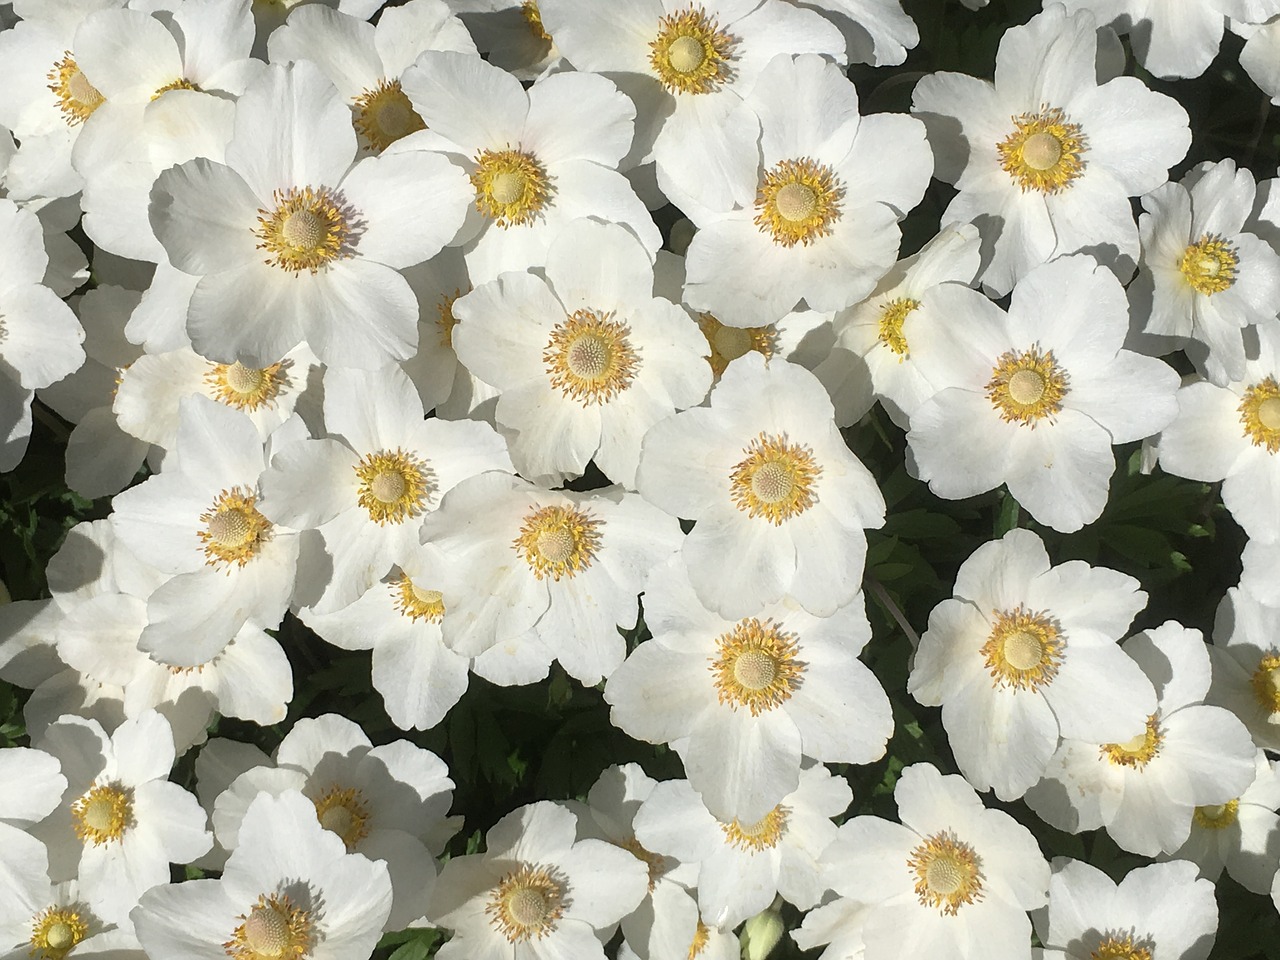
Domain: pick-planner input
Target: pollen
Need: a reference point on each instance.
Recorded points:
(273, 930)
(512, 186)
(1136, 753)
(395, 485)
(77, 97)
(776, 479)
(893, 315)
(1116, 946)
(246, 388)
(308, 229)
(1027, 387)
(445, 319)
(1209, 265)
(691, 54)
(103, 814)
(55, 931)
(1260, 414)
(764, 834)
(415, 602)
(729, 343)
(526, 904)
(180, 84)
(1024, 650)
(344, 811)
(756, 666)
(1218, 816)
(533, 17)
(234, 530)
(948, 873)
(701, 937)
(1266, 682)
(385, 115)
(1044, 152)
(558, 541)
(589, 357)
(798, 201)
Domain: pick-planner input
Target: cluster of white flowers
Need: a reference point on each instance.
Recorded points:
(374, 287)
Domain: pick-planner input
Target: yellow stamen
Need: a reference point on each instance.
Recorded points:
(55, 931)
(558, 541)
(395, 485)
(1260, 414)
(103, 814)
(385, 115)
(1209, 265)
(533, 16)
(589, 357)
(274, 929)
(1138, 751)
(775, 480)
(1027, 387)
(180, 84)
(654, 861)
(234, 529)
(526, 904)
(345, 812)
(415, 602)
(1266, 682)
(892, 316)
(798, 201)
(691, 54)
(1116, 946)
(764, 834)
(948, 873)
(77, 97)
(512, 186)
(1218, 816)
(1024, 650)
(757, 666)
(1044, 152)
(307, 230)
(247, 388)
(701, 937)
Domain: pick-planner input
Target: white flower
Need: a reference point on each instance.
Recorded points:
(674, 928)
(387, 802)
(744, 702)
(1209, 276)
(121, 822)
(1232, 434)
(1035, 398)
(368, 486)
(1046, 158)
(953, 880)
(1260, 560)
(535, 892)
(536, 159)
(743, 865)
(289, 231)
(290, 887)
(1145, 790)
(1160, 910)
(1246, 664)
(769, 480)
(819, 221)
(587, 359)
(1025, 652)
(543, 574)
(1261, 54)
(511, 34)
(1242, 835)
(31, 785)
(878, 32)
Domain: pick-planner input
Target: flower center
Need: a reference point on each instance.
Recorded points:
(1209, 265)
(526, 904)
(558, 541)
(234, 530)
(1044, 152)
(103, 814)
(757, 666)
(415, 602)
(1260, 414)
(892, 316)
(764, 834)
(729, 343)
(246, 388)
(948, 872)
(1218, 816)
(798, 201)
(273, 930)
(589, 357)
(1136, 753)
(307, 230)
(1024, 650)
(533, 17)
(384, 115)
(1117, 947)
(691, 54)
(394, 485)
(1026, 387)
(775, 480)
(77, 97)
(180, 84)
(511, 186)
(446, 321)
(344, 811)
(54, 931)
(1266, 682)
